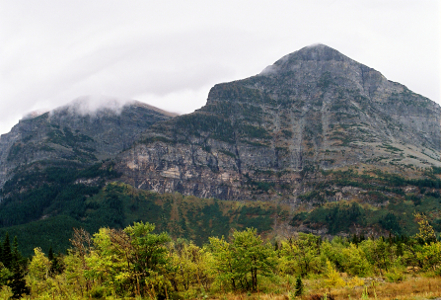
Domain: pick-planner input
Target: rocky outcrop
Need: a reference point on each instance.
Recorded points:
(264, 136)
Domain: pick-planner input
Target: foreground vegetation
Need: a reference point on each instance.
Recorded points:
(136, 263)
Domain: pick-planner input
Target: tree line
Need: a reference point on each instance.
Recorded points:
(135, 262)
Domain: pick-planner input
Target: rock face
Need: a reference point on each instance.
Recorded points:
(262, 137)
(72, 135)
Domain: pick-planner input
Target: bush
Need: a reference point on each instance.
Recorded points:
(394, 275)
(334, 279)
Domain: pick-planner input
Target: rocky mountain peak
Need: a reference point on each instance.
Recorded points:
(316, 52)
(312, 109)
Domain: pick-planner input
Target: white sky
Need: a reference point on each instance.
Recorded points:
(170, 53)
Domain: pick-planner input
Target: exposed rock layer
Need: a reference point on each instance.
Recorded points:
(258, 138)
(263, 136)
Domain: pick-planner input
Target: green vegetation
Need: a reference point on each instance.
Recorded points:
(379, 202)
(137, 262)
(37, 193)
(197, 123)
(254, 132)
(118, 205)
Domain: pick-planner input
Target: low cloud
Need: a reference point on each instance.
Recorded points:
(34, 114)
(94, 104)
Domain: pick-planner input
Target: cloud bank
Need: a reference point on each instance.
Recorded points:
(169, 54)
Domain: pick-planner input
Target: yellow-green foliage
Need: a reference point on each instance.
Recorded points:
(240, 261)
(355, 261)
(333, 278)
(192, 265)
(426, 232)
(430, 256)
(354, 282)
(39, 266)
(136, 263)
(395, 275)
(107, 264)
(300, 255)
(38, 273)
(5, 292)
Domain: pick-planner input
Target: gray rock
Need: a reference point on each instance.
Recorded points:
(264, 136)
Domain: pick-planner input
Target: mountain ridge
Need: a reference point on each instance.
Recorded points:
(317, 132)
(76, 133)
(320, 109)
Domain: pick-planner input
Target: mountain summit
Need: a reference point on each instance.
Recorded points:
(317, 52)
(265, 136)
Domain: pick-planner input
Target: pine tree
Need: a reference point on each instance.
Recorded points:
(50, 254)
(55, 266)
(399, 251)
(7, 253)
(355, 239)
(299, 287)
(18, 283)
(16, 255)
(1, 252)
(12, 260)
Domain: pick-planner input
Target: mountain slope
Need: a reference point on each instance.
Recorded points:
(345, 149)
(76, 134)
(51, 163)
(264, 137)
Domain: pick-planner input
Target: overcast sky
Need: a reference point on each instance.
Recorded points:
(170, 53)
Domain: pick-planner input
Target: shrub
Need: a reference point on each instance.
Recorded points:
(333, 277)
(394, 275)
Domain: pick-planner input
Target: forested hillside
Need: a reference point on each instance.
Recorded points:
(117, 205)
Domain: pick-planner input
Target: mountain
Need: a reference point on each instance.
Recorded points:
(50, 163)
(267, 136)
(316, 142)
(80, 133)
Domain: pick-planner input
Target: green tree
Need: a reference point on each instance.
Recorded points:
(379, 253)
(148, 256)
(7, 252)
(426, 232)
(355, 262)
(191, 266)
(223, 263)
(299, 287)
(430, 256)
(14, 275)
(107, 263)
(241, 260)
(303, 250)
(38, 271)
(252, 257)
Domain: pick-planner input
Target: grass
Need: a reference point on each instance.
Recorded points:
(412, 288)
(416, 288)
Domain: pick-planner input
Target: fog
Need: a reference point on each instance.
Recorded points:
(169, 54)
(93, 104)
